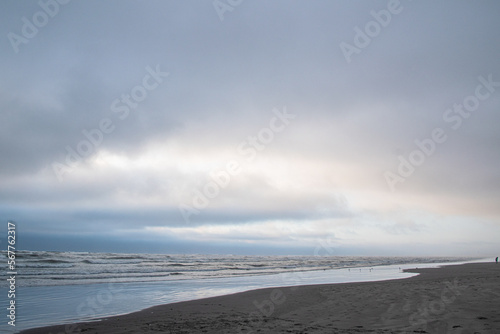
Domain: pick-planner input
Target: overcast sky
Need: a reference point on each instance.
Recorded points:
(276, 127)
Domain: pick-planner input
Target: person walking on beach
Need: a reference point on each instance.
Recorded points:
(496, 260)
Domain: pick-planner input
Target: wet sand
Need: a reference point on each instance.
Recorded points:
(453, 299)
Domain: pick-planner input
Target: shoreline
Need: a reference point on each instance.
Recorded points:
(450, 299)
(88, 302)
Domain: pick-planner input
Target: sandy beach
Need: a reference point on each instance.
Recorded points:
(453, 299)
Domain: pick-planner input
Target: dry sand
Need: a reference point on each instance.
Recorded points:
(453, 299)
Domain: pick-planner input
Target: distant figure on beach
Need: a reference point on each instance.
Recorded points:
(496, 260)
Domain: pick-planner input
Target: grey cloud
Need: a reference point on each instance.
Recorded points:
(225, 78)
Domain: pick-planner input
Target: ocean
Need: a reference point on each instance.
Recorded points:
(63, 287)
